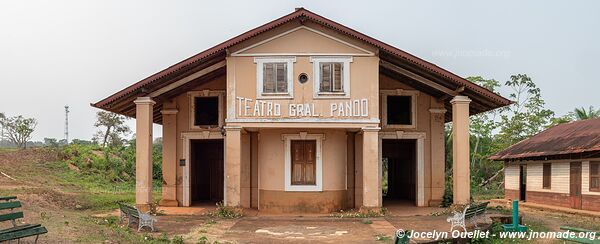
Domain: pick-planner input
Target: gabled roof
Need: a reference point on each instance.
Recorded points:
(579, 139)
(122, 101)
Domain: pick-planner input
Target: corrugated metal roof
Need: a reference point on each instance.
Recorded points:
(301, 14)
(570, 138)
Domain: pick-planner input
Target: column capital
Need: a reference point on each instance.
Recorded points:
(370, 129)
(169, 111)
(460, 100)
(144, 101)
(232, 128)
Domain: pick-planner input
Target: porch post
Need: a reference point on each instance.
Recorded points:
(169, 157)
(461, 150)
(143, 152)
(233, 169)
(371, 168)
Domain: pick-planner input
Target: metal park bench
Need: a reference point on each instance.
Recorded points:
(580, 239)
(16, 232)
(7, 198)
(472, 212)
(134, 215)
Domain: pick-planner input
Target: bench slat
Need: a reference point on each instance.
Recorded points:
(20, 227)
(11, 216)
(23, 233)
(6, 198)
(10, 205)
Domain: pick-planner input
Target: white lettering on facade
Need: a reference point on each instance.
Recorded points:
(248, 107)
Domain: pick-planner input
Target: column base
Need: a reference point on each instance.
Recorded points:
(435, 203)
(143, 207)
(168, 203)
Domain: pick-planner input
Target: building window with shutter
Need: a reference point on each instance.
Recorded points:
(274, 77)
(303, 162)
(303, 167)
(547, 174)
(595, 176)
(331, 77)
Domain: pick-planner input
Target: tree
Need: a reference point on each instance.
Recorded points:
(582, 114)
(112, 128)
(526, 116)
(18, 129)
(2, 118)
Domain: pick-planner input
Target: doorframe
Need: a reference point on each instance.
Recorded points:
(420, 137)
(522, 174)
(575, 200)
(187, 137)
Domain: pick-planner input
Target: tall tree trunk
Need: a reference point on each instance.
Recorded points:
(106, 136)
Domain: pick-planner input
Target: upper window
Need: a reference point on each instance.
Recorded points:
(274, 77)
(547, 176)
(206, 111)
(399, 108)
(595, 176)
(331, 77)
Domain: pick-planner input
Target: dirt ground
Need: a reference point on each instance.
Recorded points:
(59, 206)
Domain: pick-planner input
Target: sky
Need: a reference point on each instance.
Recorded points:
(57, 53)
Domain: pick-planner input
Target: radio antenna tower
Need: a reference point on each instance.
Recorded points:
(67, 124)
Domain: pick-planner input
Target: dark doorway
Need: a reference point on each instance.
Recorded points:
(399, 181)
(522, 182)
(575, 185)
(206, 169)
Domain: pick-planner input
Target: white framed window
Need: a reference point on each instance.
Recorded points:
(274, 77)
(206, 109)
(294, 181)
(331, 77)
(399, 108)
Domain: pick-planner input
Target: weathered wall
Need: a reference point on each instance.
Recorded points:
(558, 194)
(511, 176)
(274, 198)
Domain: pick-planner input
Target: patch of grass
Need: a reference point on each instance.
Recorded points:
(227, 212)
(367, 221)
(361, 213)
(382, 237)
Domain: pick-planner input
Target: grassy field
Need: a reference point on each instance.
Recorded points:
(65, 200)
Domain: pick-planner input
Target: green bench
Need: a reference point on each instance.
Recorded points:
(17, 232)
(133, 215)
(579, 239)
(472, 212)
(7, 198)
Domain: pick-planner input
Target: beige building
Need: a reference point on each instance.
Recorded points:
(302, 114)
(559, 166)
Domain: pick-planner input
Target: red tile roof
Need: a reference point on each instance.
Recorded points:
(570, 138)
(492, 100)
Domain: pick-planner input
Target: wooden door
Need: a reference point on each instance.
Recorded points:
(304, 162)
(575, 185)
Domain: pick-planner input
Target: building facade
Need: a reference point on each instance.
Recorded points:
(302, 114)
(559, 166)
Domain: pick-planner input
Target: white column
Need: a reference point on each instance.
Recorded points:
(461, 150)
(233, 166)
(371, 168)
(143, 152)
